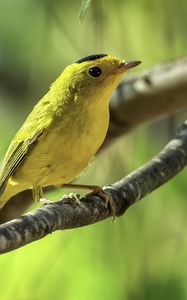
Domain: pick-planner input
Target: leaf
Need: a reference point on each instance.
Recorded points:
(84, 7)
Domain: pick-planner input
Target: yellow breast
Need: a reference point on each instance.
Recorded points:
(67, 146)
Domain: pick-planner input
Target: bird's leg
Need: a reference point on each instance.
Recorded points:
(37, 192)
(38, 195)
(95, 190)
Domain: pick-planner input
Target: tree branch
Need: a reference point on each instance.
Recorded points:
(147, 96)
(65, 214)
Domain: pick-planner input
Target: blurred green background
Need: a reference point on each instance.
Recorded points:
(143, 255)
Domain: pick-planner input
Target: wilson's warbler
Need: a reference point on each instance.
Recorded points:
(65, 128)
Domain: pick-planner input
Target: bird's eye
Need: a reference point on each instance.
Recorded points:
(95, 72)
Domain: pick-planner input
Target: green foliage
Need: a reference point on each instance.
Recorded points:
(84, 7)
(143, 254)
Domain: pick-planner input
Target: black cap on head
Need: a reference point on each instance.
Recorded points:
(90, 57)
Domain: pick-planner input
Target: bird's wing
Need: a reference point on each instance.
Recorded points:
(25, 139)
(15, 155)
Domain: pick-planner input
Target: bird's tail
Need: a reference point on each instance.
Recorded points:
(12, 188)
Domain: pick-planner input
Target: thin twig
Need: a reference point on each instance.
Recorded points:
(66, 214)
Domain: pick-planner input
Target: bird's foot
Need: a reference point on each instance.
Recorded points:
(45, 201)
(74, 197)
(98, 191)
(108, 200)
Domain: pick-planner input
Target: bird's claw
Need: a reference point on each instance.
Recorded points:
(108, 200)
(72, 196)
(45, 201)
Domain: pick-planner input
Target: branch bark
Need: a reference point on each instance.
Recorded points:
(65, 214)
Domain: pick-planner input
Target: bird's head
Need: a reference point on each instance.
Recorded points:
(97, 74)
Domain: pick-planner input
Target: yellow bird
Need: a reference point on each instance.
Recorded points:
(65, 128)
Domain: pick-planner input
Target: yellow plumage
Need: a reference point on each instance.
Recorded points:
(65, 128)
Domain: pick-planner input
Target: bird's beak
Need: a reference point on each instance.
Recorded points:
(126, 65)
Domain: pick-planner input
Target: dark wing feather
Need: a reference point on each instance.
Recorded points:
(16, 158)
